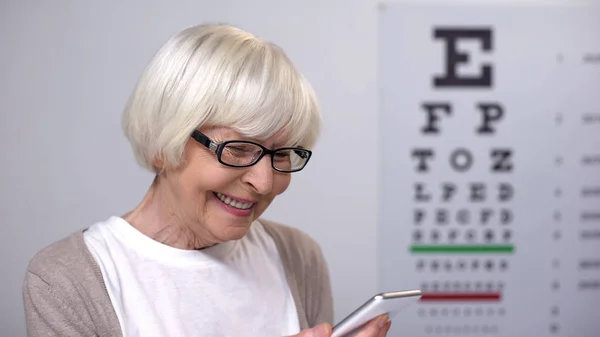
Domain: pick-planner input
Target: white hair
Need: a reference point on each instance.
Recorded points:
(217, 75)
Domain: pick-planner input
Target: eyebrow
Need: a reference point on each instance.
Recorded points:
(217, 138)
(260, 141)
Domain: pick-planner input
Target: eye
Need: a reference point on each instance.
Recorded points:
(239, 149)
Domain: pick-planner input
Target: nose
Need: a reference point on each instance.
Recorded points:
(260, 176)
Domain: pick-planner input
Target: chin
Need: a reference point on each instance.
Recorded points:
(230, 233)
(232, 223)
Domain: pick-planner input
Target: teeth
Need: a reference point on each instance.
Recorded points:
(233, 203)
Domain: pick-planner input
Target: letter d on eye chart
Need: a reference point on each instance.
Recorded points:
(490, 184)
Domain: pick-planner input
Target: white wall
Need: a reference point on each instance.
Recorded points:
(66, 69)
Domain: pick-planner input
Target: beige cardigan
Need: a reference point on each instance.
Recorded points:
(64, 292)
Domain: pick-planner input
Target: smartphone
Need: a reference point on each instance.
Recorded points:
(385, 303)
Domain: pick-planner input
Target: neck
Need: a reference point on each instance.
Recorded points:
(159, 218)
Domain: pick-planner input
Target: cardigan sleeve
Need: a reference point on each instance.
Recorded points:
(319, 297)
(47, 313)
(64, 294)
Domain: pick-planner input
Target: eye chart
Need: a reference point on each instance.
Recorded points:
(490, 168)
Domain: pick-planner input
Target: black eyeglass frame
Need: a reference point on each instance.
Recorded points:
(219, 147)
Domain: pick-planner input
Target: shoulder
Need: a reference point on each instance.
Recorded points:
(291, 238)
(296, 248)
(303, 259)
(63, 265)
(64, 253)
(71, 255)
(63, 292)
(53, 276)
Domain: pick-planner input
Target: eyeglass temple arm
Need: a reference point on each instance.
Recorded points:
(204, 140)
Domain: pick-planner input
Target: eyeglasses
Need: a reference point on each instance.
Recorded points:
(240, 153)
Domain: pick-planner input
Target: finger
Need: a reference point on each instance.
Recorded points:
(374, 327)
(385, 329)
(321, 330)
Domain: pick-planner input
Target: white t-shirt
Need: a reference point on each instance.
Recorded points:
(233, 289)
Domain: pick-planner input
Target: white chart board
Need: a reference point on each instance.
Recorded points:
(490, 168)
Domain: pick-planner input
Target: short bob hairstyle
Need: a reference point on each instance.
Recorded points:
(217, 75)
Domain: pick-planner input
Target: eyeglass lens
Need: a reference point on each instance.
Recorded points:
(244, 154)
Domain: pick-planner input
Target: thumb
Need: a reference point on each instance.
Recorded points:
(321, 330)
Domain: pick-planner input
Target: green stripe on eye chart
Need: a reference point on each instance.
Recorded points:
(468, 249)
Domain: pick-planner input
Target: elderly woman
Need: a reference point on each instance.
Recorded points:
(223, 119)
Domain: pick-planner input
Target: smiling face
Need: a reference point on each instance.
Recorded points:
(215, 75)
(216, 202)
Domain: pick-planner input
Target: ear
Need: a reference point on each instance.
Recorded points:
(163, 166)
(158, 163)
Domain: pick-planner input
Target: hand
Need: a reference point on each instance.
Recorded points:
(377, 327)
